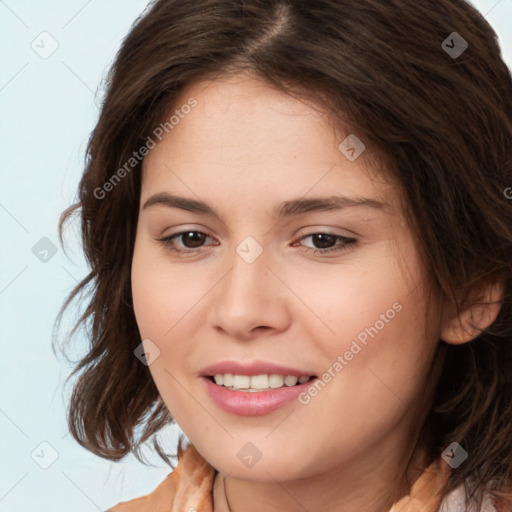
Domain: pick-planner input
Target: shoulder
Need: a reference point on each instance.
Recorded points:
(426, 494)
(455, 501)
(189, 486)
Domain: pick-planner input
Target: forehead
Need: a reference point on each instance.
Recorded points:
(248, 135)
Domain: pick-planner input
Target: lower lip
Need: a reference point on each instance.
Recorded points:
(246, 403)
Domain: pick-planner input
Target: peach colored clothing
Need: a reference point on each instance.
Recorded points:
(191, 486)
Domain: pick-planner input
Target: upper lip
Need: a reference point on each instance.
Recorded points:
(252, 368)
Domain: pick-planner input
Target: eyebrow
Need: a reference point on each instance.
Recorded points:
(285, 209)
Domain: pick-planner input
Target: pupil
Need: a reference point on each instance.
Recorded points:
(199, 238)
(323, 238)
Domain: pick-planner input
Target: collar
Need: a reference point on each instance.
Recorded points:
(194, 483)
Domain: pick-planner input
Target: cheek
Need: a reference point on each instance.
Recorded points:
(342, 301)
(162, 293)
(160, 299)
(373, 316)
(385, 354)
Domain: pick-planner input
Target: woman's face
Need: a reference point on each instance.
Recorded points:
(278, 269)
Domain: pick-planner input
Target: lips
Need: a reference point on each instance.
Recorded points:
(263, 401)
(244, 403)
(252, 368)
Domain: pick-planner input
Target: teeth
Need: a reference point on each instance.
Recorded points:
(257, 382)
(290, 380)
(241, 381)
(276, 381)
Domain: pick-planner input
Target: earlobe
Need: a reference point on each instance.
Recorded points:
(472, 321)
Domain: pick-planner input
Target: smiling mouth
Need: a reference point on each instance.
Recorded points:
(257, 383)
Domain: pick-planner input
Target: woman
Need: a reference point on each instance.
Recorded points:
(300, 251)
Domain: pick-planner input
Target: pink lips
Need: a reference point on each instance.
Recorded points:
(252, 368)
(246, 403)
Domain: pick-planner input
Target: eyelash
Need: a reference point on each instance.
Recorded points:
(167, 242)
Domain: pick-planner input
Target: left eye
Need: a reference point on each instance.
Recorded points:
(330, 240)
(192, 240)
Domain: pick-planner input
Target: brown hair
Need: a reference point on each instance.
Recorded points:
(443, 123)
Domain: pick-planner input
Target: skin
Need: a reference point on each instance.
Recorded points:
(245, 149)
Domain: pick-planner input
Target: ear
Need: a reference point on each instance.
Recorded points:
(482, 311)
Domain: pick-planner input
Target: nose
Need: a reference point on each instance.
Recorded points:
(250, 300)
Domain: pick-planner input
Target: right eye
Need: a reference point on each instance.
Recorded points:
(189, 239)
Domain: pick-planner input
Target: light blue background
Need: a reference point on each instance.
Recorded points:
(48, 109)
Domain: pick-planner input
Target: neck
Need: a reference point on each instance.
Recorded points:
(350, 489)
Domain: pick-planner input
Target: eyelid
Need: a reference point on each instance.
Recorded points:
(302, 233)
(167, 241)
(335, 231)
